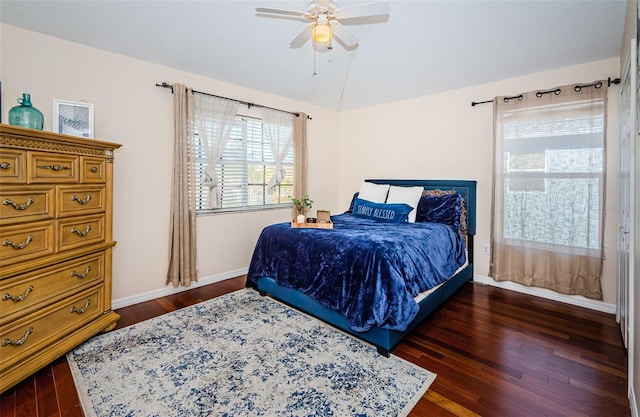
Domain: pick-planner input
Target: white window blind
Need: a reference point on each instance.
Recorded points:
(244, 171)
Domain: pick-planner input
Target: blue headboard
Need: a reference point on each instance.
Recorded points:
(466, 188)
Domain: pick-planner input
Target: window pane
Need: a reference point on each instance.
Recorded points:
(244, 170)
(567, 213)
(553, 171)
(576, 160)
(256, 195)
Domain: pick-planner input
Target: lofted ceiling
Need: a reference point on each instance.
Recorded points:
(424, 47)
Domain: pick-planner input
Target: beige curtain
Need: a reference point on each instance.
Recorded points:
(300, 163)
(182, 228)
(549, 189)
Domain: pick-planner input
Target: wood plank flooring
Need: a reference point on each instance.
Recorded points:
(496, 352)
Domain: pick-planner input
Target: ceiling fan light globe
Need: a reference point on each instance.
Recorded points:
(322, 33)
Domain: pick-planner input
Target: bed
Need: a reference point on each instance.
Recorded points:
(373, 279)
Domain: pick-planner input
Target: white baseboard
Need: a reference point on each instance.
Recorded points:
(633, 402)
(577, 300)
(170, 289)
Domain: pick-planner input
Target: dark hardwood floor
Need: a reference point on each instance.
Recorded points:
(496, 352)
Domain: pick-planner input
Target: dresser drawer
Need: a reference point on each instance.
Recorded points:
(51, 168)
(24, 293)
(78, 232)
(93, 170)
(25, 336)
(20, 204)
(73, 200)
(26, 241)
(12, 166)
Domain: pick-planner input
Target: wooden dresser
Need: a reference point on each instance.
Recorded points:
(55, 246)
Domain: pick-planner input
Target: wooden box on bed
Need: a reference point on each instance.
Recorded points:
(317, 225)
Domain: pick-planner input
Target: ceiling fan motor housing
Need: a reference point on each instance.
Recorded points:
(322, 7)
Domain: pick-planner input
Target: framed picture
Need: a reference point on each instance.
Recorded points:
(73, 118)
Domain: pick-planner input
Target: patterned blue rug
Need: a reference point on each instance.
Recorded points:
(240, 355)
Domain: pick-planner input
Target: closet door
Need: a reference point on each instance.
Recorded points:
(626, 192)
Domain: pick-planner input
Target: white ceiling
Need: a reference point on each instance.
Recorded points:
(424, 47)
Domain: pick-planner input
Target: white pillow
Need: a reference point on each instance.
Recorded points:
(376, 193)
(406, 195)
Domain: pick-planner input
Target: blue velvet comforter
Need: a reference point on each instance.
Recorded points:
(366, 270)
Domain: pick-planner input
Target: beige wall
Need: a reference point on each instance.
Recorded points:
(443, 136)
(130, 110)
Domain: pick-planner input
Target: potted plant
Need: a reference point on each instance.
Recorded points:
(302, 205)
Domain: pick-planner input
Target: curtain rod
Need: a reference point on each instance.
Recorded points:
(556, 91)
(249, 105)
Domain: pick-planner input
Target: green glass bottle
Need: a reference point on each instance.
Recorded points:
(25, 114)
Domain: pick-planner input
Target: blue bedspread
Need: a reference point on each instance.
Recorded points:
(366, 270)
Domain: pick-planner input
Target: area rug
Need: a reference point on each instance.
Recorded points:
(240, 354)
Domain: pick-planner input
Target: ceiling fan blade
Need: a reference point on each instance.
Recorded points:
(279, 11)
(287, 17)
(343, 36)
(362, 10)
(302, 37)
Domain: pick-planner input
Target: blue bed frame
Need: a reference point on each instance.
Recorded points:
(385, 339)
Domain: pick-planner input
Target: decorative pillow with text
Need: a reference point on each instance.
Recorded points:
(388, 213)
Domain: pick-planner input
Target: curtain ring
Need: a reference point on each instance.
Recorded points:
(597, 84)
(506, 99)
(557, 92)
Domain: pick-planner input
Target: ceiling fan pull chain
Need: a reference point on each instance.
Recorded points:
(315, 53)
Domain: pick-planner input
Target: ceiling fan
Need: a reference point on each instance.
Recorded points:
(327, 21)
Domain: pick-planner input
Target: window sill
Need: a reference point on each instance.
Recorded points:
(214, 212)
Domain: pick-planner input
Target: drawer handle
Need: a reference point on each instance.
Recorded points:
(54, 167)
(7, 242)
(19, 341)
(94, 169)
(83, 309)
(80, 201)
(81, 234)
(16, 206)
(82, 275)
(22, 297)
(5, 165)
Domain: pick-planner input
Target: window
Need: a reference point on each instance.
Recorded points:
(548, 203)
(553, 166)
(244, 171)
(525, 163)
